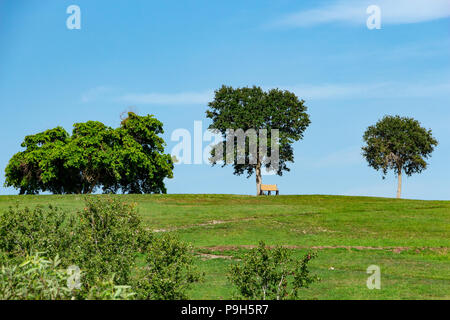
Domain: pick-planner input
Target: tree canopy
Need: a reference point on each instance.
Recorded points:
(399, 144)
(254, 109)
(129, 159)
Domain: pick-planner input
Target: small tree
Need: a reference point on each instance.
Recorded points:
(252, 109)
(399, 144)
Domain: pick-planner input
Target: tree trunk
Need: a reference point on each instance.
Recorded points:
(258, 178)
(399, 186)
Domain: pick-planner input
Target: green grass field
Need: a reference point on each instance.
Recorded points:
(408, 239)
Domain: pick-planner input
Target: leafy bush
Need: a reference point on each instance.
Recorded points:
(266, 274)
(104, 240)
(169, 271)
(108, 290)
(23, 231)
(34, 279)
(37, 278)
(111, 237)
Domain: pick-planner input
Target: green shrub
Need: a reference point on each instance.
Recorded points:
(111, 238)
(266, 274)
(104, 240)
(37, 278)
(169, 272)
(50, 230)
(34, 279)
(108, 290)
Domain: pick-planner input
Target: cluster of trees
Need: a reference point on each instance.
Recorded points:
(128, 159)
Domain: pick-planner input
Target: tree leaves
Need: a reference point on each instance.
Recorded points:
(399, 144)
(130, 159)
(252, 108)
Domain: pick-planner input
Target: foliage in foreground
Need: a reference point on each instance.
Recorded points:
(106, 241)
(37, 278)
(169, 270)
(271, 274)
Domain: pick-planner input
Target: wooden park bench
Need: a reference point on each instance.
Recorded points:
(269, 188)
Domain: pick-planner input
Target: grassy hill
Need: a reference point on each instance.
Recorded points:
(408, 239)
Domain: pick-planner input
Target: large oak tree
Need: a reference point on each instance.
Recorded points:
(254, 109)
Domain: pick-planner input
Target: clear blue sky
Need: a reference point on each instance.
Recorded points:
(166, 57)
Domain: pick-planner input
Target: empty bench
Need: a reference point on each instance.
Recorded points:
(269, 188)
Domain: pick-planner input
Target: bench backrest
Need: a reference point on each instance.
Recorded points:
(269, 187)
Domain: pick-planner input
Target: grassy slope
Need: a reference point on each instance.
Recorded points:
(411, 237)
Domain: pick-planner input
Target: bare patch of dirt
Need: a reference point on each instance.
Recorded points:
(393, 249)
(312, 230)
(209, 223)
(207, 256)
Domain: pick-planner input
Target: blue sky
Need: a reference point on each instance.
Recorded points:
(167, 57)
